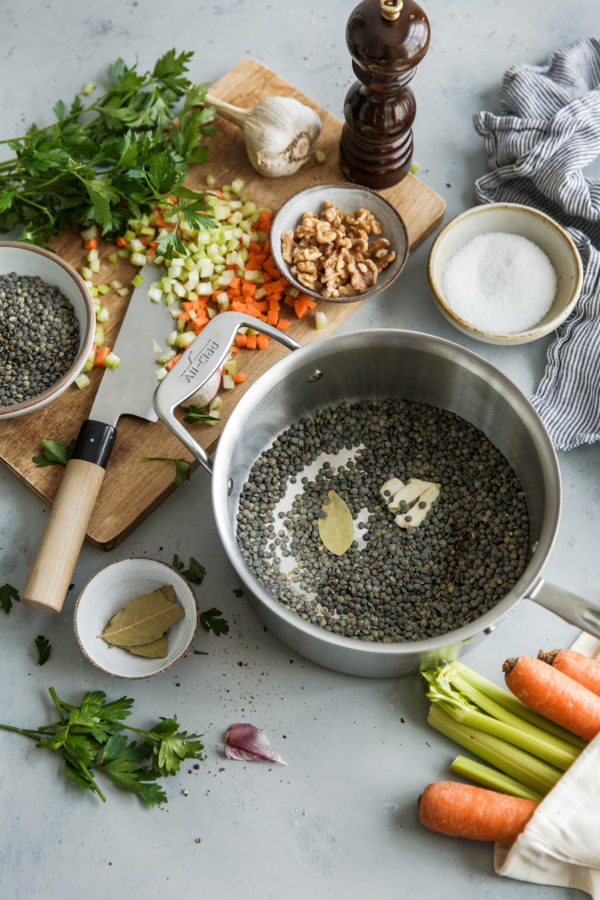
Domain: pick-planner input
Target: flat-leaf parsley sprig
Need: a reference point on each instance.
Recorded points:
(114, 159)
(90, 738)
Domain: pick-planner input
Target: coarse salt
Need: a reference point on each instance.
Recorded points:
(499, 282)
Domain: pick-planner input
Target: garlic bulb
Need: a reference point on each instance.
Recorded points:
(279, 132)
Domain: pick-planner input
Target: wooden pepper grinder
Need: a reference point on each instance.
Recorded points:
(386, 39)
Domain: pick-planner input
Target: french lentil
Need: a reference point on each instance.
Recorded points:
(391, 585)
(39, 337)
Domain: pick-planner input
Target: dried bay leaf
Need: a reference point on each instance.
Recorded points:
(154, 650)
(336, 528)
(144, 619)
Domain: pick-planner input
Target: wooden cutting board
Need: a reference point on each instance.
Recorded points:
(133, 487)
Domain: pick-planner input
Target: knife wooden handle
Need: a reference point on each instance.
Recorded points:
(61, 542)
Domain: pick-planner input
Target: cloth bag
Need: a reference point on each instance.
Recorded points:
(538, 148)
(560, 844)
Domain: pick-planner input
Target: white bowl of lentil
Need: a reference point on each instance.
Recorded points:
(489, 268)
(353, 244)
(47, 325)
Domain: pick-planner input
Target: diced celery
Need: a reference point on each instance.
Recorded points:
(99, 338)
(113, 257)
(320, 320)
(185, 339)
(155, 294)
(122, 292)
(90, 232)
(228, 382)
(102, 315)
(230, 367)
(137, 280)
(86, 273)
(160, 373)
(138, 259)
(156, 348)
(103, 288)
(82, 381)
(112, 361)
(210, 180)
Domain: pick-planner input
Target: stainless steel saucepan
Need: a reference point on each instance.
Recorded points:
(368, 365)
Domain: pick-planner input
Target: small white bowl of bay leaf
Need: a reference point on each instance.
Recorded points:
(136, 618)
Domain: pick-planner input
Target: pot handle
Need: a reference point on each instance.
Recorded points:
(570, 607)
(199, 362)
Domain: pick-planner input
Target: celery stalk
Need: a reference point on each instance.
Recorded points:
(472, 707)
(508, 701)
(491, 778)
(527, 769)
(526, 737)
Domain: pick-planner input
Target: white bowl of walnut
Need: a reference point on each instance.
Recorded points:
(339, 242)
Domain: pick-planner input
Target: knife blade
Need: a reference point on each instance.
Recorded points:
(129, 389)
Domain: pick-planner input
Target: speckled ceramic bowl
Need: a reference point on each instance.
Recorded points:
(108, 591)
(511, 218)
(348, 198)
(27, 259)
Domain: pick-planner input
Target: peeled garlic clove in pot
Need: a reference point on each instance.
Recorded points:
(279, 132)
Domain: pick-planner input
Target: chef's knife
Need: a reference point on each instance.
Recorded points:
(127, 389)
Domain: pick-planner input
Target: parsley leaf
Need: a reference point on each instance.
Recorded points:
(195, 571)
(125, 153)
(193, 413)
(8, 593)
(54, 453)
(44, 649)
(91, 741)
(211, 620)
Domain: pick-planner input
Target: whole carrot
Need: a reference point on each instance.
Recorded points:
(578, 666)
(462, 810)
(553, 694)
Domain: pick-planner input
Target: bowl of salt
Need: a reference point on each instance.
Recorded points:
(504, 273)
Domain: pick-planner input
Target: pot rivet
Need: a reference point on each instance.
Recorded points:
(230, 486)
(315, 376)
(489, 630)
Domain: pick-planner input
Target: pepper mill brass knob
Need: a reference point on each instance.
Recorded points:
(386, 39)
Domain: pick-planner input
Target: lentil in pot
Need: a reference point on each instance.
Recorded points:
(392, 584)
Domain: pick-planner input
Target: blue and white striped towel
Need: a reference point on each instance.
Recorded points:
(549, 131)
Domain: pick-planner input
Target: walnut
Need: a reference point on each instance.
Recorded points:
(331, 253)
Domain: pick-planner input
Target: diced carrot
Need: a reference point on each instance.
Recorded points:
(555, 695)
(300, 308)
(251, 341)
(263, 223)
(101, 356)
(240, 340)
(463, 810)
(283, 324)
(262, 341)
(172, 362)
(91, 244)
(120, 242)
(578, 666)
(239, 377)
(272, 317)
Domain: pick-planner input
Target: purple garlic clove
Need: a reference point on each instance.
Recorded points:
(244, 741)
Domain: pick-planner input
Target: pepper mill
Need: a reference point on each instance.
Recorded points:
(386, 39)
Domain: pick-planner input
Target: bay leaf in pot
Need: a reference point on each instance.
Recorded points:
(366, 365)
